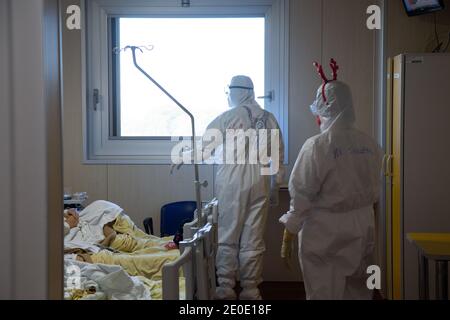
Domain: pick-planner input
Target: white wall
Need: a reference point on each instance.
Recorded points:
(5, 157)
(24, 162)
(414, 34)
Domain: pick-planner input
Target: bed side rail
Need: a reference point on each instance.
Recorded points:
(198, 252)
(171, 280)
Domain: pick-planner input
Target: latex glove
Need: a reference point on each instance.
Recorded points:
(287, 248)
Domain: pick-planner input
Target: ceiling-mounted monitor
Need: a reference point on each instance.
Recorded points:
(417, 7)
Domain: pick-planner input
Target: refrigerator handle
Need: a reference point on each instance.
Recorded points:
(390, 172)
(387, 165)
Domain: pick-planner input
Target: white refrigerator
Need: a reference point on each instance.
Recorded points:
(417, 163)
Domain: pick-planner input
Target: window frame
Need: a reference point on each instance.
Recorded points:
(100, 146)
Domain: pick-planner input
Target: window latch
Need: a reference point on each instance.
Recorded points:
(96, 98)
(270, 96)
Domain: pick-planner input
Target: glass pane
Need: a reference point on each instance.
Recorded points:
(193, 59)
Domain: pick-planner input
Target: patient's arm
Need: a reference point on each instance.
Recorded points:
(84, 258)
(110, 235)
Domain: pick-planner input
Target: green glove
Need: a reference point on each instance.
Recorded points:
(286, 248)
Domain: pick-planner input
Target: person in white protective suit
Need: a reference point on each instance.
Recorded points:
(334, 186)
(243, 194)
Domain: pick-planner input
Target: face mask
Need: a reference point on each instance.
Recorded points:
(313, 107)
(231, 103)
(237, 96)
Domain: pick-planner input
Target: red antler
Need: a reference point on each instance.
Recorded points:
(334, 66)
(324, 79)
(320, 72)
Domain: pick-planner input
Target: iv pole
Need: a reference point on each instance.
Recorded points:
(197, 183)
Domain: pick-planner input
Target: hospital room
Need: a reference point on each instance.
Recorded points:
(251, 150)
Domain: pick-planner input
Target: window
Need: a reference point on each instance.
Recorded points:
(196, 49)
(193, 58)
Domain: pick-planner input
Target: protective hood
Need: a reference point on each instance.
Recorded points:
(337, 110)
(241, 92)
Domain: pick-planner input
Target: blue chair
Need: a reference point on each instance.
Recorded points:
(173, 215)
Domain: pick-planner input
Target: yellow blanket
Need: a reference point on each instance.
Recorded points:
(155, 288)
(140, 255)
(131, 239)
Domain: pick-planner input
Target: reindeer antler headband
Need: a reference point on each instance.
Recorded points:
(334, 67)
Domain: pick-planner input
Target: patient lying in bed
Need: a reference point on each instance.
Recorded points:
(122, 235)
(103, 234)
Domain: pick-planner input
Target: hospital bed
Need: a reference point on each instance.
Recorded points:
(197, 258)
(197, 261)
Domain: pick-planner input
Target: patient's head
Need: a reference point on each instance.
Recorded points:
(72, 217)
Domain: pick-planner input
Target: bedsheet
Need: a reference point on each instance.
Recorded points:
(84, 281)
(137, 254)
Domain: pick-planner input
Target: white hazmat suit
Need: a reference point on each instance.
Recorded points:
(333, 186)
(243, 195)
